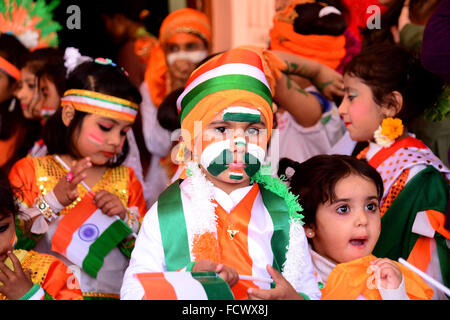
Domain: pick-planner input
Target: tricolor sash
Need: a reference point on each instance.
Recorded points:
(184, 286)
(85, 235)
(427, 190)
(403, 154)
(176, 244)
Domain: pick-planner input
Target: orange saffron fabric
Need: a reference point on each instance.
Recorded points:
(52, 275)
(325, 49)
(349, 280)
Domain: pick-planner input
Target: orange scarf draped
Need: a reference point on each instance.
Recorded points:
(325, 49)
(349, 280)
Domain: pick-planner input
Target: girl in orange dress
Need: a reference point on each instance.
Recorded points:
(80, 203)
(28, 275)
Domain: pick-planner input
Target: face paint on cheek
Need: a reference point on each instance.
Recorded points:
(253, 158)
(47, 112)
(216, 157)
(192, 56)
(96, 138)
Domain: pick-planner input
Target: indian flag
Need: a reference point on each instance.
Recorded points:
(184, 286)
(86, 235)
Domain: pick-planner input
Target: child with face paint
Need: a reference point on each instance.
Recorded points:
(184, 41)
(80, 204)
(28, 275)
(230, 216)
(42, 84)
(31, 23)
(14, 128)
(343, 260)
(385, 88)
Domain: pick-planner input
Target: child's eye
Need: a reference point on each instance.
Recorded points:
(253, 131)
(221, 129)
(352, 96)
(372, 207)
(4, 228)
(343, 209)
(103, 128)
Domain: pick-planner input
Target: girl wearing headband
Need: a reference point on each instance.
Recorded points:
(79, 202)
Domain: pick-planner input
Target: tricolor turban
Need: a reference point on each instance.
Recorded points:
(240, 77)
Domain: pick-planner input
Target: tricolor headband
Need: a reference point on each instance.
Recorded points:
(235, 69)
(9, 68)
(101, 104)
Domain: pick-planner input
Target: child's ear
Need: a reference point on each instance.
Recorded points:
(393, 104)
(68, 112)
(309, 231)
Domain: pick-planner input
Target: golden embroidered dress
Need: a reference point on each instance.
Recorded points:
(38, 176)
(51, 277)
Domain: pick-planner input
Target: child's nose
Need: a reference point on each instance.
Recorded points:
(361, 219)
(115, 139)
(238, 142)
(342, 109)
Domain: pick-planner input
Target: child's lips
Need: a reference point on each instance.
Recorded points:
(108, 154)
(358, 242)
(236, 166)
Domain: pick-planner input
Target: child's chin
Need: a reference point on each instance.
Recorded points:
(233, 179)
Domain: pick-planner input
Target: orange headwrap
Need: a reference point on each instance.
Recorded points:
(209, 91)
(325, 49)
(183, 20)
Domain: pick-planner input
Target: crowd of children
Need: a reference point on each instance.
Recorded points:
(292, 172)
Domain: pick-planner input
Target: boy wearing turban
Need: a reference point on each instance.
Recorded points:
(228, 215)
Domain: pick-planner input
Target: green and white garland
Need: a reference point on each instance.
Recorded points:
(201, 193)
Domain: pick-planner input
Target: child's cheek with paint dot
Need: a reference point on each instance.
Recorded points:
(96, 137)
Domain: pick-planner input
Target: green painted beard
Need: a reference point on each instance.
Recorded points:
(222, 156)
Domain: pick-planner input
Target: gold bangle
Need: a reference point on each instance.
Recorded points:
(44, 208)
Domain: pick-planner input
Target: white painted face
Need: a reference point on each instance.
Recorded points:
(192, 56)
(232, 147)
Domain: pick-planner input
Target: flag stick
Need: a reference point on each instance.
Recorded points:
(85, 185)
(251, 278)
(426, 277)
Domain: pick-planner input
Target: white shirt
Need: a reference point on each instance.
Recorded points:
(148, 254)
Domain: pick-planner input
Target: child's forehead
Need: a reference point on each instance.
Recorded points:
(236, 114)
